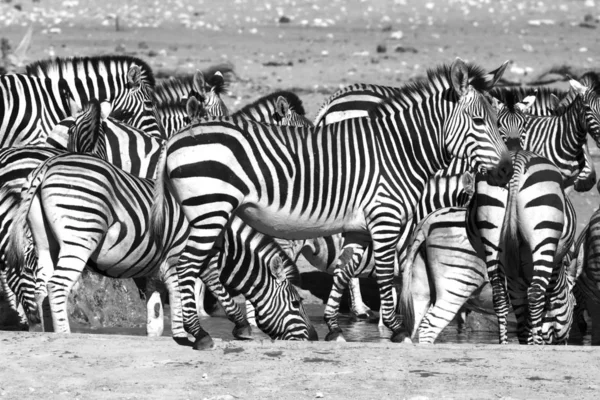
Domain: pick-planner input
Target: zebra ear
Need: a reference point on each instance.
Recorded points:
(276, 266)
(193, 108)
(460, 76)
(578, 87)
(74, 107)
(198, 82)
(526, 103)
(282, 106)
(134, 76)
(554, 101)
(105, 110)
(468, 182)
(494, 76)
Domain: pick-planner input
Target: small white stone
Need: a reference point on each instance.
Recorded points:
(397, 35)
(319, 395)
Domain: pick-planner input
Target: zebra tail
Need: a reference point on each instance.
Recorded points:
(21, 251)
(158, 209)
(509, 234)
(406, 306)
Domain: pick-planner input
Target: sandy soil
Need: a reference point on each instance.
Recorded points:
(326, 44)
(123, 367)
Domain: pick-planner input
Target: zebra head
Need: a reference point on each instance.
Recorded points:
(472, 129)
(136, 106)
(512, 120)
(590, 101)
(286, 116)
(86, 135)
(214, 105)
(282, 315)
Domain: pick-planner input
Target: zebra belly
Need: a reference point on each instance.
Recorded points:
(294, 226)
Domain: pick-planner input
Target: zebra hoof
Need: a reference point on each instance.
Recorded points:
(183, 341)
(203, 343)
(335, 336)
(400, 337)
(243, 332)
(365, 316)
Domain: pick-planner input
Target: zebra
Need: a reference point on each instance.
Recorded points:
(109, 233)
(284, 182)
(281, 107)
(558, 136)
(174, 89)
(437, 285)
(523, 234)
(353, 101)
(31, 105)
(588, 282)
(323, 253)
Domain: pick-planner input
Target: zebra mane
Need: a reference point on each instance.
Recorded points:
(437, 80)
(292, 99)
(591, 79)
(54, 67)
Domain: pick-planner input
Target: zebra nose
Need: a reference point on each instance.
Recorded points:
(501, 175)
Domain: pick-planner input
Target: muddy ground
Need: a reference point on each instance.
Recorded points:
(313, 48)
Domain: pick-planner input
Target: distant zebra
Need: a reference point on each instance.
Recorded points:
(174, 89)
(353, 101)
(351, 176)
(102, 221)
(524, 233)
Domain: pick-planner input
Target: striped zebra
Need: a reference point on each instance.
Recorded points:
(438, 283)
(31, 105)
(324, 252)
(174, 89)
(15, 166)
(102, 221)
(588, 282)
(561, 135)
(281, 108)
(300, 183)
(524, 234)
(353, 101)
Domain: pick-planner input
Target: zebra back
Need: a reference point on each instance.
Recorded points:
(278, 108)
(353, 101)
(126, 82)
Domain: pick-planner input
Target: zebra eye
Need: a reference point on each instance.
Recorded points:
(295, 304)
(478, 121)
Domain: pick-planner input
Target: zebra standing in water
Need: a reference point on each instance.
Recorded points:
(31, 105)
(286, 182)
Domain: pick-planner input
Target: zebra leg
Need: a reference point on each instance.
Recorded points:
(71, 264)
(344, 271)
(171, 280)
(358, 307)
(199, 295)
(251, 314)
(385, 235)
(11, 299)
(155, 315)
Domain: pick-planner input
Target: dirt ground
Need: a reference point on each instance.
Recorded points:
(123, 367)
(323, 45)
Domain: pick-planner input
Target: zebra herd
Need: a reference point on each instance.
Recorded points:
(445, 183)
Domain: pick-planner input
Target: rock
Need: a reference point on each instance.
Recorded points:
(406, 49)
(143, 45)
(284, 20)
(319, 395)
(397, 35)
(18, 7)
(386, 28)
(381, 48)
(152, 53)
(120, 48)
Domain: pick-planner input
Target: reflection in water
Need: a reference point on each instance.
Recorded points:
(354, 331)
